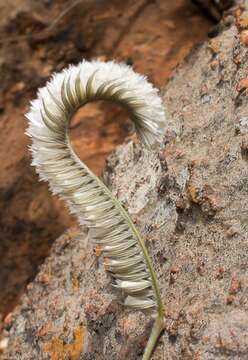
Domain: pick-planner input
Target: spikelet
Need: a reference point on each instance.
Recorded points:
(125, 254)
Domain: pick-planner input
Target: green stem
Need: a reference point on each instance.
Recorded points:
(131, 225)
(157, 328)
(158, 324)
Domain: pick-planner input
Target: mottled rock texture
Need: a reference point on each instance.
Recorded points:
(189, 201)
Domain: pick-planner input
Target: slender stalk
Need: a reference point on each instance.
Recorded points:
(131, 224)
(157, 328)
(158, 325)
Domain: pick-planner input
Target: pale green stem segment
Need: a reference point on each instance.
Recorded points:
(157, 328)
(159, 322)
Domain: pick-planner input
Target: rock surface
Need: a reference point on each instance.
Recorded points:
(189, 201)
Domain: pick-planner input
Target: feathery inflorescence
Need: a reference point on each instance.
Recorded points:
(125, 255)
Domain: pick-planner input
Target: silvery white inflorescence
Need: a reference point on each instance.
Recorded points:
(125, 254)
